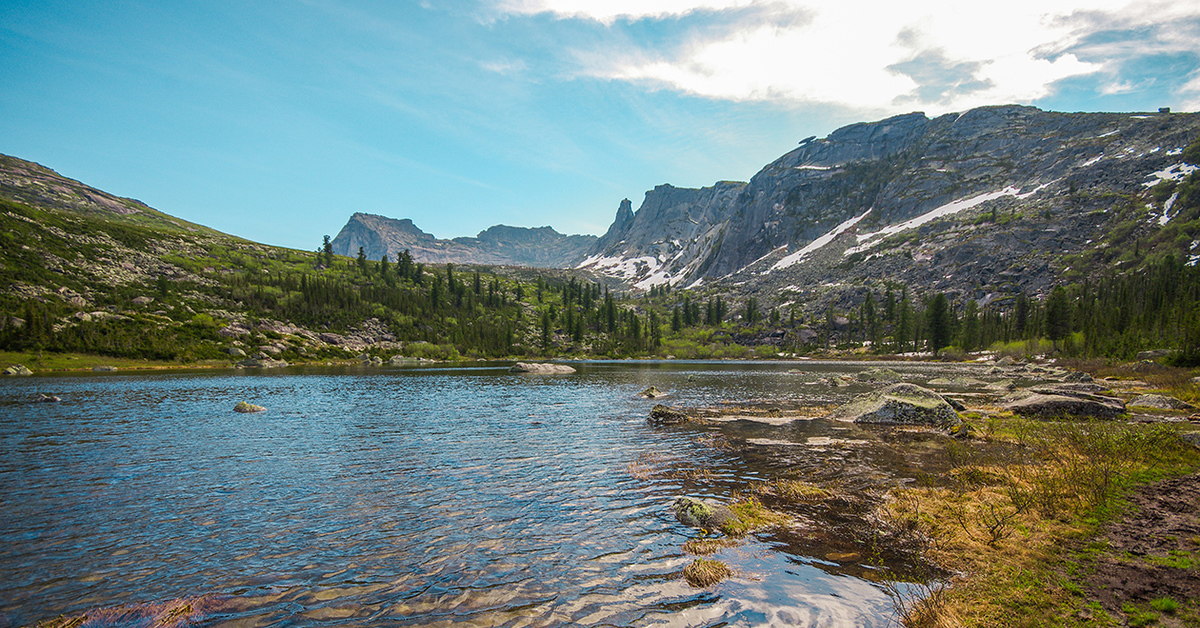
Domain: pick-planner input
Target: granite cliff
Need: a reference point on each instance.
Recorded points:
(988, 202)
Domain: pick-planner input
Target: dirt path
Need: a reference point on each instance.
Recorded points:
(1153, 552)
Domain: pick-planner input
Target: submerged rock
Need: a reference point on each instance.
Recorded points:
(899, 404)
(45, 398)
(1058, 401)
(17, 369)
(664, 415)
(541, 368)
(1161, 402)
(242, 406)
(651, 393)
(703, 514)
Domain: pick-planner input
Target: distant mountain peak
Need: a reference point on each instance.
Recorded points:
(499, 245)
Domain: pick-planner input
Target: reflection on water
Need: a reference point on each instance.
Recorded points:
(403, 496)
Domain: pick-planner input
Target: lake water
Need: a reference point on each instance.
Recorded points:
(445, 495)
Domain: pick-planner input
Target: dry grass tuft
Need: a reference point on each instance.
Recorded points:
(703, 572)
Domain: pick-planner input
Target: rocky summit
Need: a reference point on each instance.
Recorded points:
(501, 245)
(989, 202)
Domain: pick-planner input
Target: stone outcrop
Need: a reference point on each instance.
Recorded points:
(1063, 402)
(651, 393)
(541, 368)
(245, 407)
(18, 369)
(1160, 402)
(899, 404)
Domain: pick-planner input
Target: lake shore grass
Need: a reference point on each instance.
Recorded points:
(1020, 531)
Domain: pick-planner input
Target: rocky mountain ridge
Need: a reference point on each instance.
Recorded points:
(501, 245)
(988, 202)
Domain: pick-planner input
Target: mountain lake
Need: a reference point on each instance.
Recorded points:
(451, 494)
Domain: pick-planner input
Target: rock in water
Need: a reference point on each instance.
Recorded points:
(541, 368)
(705, 515)
(651, 393)
(664, 415)
(1055, 402)
(44, 398)
(879, 375)
(1161, 402)
(899, 404)
(242, 406)
(17, 369)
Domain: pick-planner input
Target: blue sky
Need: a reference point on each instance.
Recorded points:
(276, 120)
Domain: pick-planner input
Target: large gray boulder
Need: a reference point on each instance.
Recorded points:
(17, 369)
(541, 368)
(899, 404)
(1161, 402)
(1062, 402)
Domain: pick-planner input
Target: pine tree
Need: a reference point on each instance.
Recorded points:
(937, 316)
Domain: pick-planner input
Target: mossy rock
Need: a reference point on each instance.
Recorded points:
(706, 515)
(665, 415)
(900, 404)
(242, 406)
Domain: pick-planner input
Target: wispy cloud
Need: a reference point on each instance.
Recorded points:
(879, 56)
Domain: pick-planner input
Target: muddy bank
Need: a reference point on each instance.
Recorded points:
(1151, 552)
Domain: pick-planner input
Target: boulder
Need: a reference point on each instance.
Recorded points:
(242, 406)
(44, 398)
(651, 393)
(665, 415)
(899, 404)
(1078, 376)
(879, 375)
(1161, 402)
(703, 514)
(400, 360)
(17, 369)
(143, 300)
(235, 352)
(1191, 437)
(104, 368)
(541, 368)
(1055, 402)
(1153, 354)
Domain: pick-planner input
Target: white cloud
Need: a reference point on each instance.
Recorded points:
(880, 55)
(1190, 92)
(608, 11)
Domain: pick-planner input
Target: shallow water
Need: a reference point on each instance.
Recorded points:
(411, 496)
